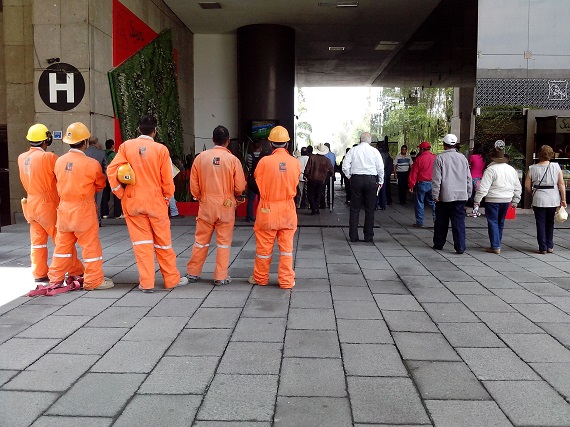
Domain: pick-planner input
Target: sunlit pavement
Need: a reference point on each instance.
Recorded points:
(384, 333)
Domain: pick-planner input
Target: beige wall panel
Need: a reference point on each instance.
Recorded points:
(13, 25)
(74, 45)
(101, 15)
(101, 51)
(15, 61)
(101, 94)
(28, 29)
(46, 12)
(47, 40)
(74, 11)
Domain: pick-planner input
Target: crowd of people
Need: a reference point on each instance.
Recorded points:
(67, 196)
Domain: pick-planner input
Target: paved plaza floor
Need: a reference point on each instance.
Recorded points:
(390, 333)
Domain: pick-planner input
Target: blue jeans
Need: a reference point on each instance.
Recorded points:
(173, 207)
(454, 211)
(496, 213)
(423, 194)
(544, 218)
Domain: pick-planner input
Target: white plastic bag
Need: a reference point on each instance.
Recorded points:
(561, 215)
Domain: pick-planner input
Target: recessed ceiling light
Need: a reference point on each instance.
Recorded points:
(336, 48)
(347, 4)
(386, 45)
(210, 5)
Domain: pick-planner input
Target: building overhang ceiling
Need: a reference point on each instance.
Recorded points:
(385, 42)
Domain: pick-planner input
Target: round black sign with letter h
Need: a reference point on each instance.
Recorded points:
(61, 87)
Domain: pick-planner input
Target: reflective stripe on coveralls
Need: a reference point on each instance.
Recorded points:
(215, 178)
(277, 177)
(78, 179)
(145, 205)
(36, 168)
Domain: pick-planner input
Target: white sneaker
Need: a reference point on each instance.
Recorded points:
(225, 281)
(121, 216)
(107, 284)
(183, 281)
(192, 279)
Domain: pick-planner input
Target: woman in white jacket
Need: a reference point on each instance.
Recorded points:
(501, 188)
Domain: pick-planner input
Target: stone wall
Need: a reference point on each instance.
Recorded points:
(78, 32)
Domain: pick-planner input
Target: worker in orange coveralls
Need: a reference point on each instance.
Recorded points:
(145, 204)
(40, 206)
(78, 179)
(277, 177)
(216, 179)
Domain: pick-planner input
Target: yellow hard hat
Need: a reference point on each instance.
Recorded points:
(279, 134)
(75, 133)
(37, 133)
(126, 174)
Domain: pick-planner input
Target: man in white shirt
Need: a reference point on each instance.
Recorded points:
(364, 167)
(303, 159)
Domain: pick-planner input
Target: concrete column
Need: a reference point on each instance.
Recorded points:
(266, 75)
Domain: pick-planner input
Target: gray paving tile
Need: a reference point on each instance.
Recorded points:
(409, 321)
(266, 307)
(373, 360)
(388, 302)
(169, 307)
(200, 342)
(7, 375)
(449, 312)
(21, 408)
(434, 295)
(180, 375)
(118, 317)
(318, 318)
(363, 331)
(556, 374)
(509, 323)
(312, 299)
(9, 331)
(47, 421)
(261, 329)
(497, 364)
(119, 359)
(385, 400)
(470, 335)
(337, 268)
(530, 402)
(216, 318)
(446, 381)
(172, 411)
(457, 413)
(424, 346)
(52, 373)
(91, 341)
(312, 377)
(226, 299)
(19, 353)
(240, 397)
(55, 327)
(308, 273)
(452, 276)
(311, 343)
(351, 293)
(251, 358)
(542, 313)
(156, 329)
(467, 288)
(395, 287)
(500, 282)
(92, 391)
(27, 314)
(487, 303)
(560, 331)
(136, 298)
(514, 296)
(563, 303)
(545, 289)
(380, 275)
(85, 307)
(537, 347)
(347, 280)
(357, 310)
(313, 411)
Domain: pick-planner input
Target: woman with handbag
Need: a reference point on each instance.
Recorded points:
(545, 181)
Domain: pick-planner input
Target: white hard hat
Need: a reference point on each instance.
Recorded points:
(450, 139)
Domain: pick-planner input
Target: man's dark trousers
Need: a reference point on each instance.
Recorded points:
(454, 211)
(363, 192)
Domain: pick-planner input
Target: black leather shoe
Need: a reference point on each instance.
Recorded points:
(437, 248)
(354, 240)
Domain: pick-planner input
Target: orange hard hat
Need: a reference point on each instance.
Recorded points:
(126, 174)
(75, 133)
(279, 134)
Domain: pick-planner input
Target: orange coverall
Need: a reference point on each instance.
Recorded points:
(38, 178)
(216, 177)
(277, 177)
(145, 206)
(78, 179)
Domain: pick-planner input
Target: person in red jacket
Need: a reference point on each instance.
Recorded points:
(78, 179)
(216, 179)
(145, 204)
(419, 182)
(277, 176)
(40, 206)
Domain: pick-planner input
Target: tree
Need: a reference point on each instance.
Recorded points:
(304, 129)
